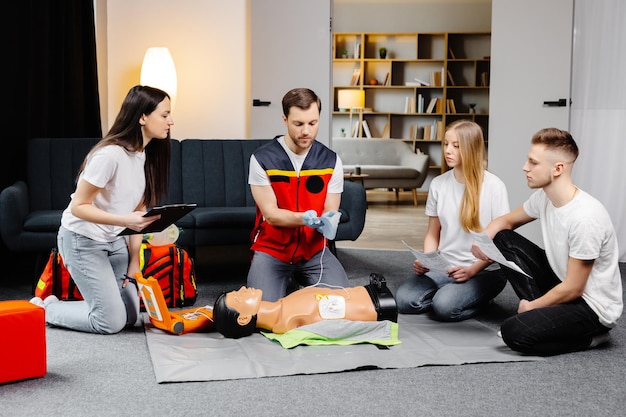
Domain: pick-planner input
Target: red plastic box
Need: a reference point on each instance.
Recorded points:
(22, 341)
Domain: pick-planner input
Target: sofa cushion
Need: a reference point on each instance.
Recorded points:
(389, 171)
(175, 181)
(390, 163)
(366, 151)
(345, 216)
(224, 217)
(43, 221)
(215, 172)
(52, 166)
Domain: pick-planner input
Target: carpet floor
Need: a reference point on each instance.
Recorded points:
(94, 375)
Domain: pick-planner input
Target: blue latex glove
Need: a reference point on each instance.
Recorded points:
(310, 219)
(330, 222)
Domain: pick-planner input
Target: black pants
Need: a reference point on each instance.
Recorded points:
(546, 331)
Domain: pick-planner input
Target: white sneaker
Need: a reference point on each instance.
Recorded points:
(599, 339)
(50, 299)
(37, 301)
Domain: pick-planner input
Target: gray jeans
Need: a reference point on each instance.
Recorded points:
(98, 269)
(273, 276)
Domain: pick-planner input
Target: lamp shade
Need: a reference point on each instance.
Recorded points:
(351, 99)
(158, 71)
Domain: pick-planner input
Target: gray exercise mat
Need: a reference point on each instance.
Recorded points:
(209, 356)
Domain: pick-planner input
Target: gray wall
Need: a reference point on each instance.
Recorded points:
(412, 16)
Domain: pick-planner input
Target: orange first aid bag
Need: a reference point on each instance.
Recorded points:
(55, 279)
(174, 270)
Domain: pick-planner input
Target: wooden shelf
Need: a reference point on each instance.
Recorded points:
(455, 65)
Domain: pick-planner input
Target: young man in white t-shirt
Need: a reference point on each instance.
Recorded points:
(575, 294)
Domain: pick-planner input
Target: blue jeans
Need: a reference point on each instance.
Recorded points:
(546, 331)
(98, 269)
(273, 276)
(449, 301)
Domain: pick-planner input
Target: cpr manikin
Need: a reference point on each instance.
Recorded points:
(239, 313)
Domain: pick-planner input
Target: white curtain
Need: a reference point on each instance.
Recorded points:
(598, 111)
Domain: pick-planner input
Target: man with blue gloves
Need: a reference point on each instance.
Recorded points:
(296, 183)
(326, 225)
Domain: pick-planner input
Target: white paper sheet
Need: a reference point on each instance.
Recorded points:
(486, 245)
(431, 260)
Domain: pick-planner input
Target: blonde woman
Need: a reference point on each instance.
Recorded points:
(465, 198)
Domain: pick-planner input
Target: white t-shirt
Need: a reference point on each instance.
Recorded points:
(583, 230)
(444, 201)
(120, 175)
(258, 176)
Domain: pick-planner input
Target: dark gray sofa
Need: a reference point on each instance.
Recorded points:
(212, 173)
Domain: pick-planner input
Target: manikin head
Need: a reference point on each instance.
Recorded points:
(234, 313)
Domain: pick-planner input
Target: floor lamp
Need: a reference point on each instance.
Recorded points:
(351, 99)
(158, 70)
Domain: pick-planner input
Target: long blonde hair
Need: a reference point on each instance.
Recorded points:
(473, 164)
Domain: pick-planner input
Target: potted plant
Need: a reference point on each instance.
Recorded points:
(382, 52)
(344, 53)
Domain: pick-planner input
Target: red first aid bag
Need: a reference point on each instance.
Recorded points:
(55, 279)
(173, 269)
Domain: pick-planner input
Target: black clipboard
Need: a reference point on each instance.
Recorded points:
(169, 214)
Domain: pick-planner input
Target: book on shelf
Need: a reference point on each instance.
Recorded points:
(355, 130)
(451, 108)
(451, 53)
(386, 81)
(409, 105)
(411, 132)
(357, 49)
(433, 80)
(450, 79)
(440, 107)
(433, 131)
(431, 105)
(356, 75)
(422, 82)
(436, 78)
(366, 129)
(420, 103)
(426, 134)
(484, 79)
(412, 83)
(440, 130)
(385, 134)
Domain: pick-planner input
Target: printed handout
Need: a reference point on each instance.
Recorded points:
(486, 245)
(431, 260)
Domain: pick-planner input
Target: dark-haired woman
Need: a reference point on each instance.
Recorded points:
(123, 174)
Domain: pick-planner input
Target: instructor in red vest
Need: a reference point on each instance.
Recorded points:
(296, 183)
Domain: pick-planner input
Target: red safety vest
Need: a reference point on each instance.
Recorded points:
(296, 193)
